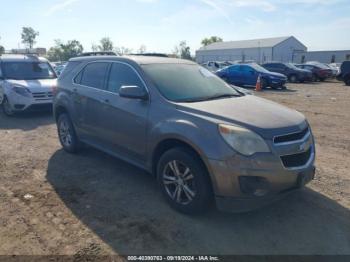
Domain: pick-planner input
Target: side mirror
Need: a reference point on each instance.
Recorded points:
(133, 92)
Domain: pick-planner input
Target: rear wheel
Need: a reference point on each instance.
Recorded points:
(6, 107)
(67, 135)
(184, 181)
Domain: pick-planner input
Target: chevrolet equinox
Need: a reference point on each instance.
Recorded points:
(204, 140)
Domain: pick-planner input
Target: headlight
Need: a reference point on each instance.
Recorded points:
(243, 140)
(23, 91)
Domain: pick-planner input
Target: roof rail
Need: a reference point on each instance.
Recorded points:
(151, 54)
(98, 53)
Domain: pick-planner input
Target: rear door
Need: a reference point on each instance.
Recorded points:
(90, 97)
(125, 120)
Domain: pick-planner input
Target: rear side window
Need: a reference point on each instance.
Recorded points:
(94, 75)
(122, 75)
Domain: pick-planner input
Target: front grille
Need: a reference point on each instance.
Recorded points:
(291, 137)
(296, 160)
(42, 95)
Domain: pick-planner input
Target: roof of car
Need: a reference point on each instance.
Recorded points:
(22, 58)
(141, 60)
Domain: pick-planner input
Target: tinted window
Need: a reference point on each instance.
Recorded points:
(27, 70)
(94, 75)
(186, 82)
(246, 69)
(122, 75)
(234, 68)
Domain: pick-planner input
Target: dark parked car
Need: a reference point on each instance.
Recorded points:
(319, 71)
(344, 74)
(201, 138)
(247, 75)
(293, 73)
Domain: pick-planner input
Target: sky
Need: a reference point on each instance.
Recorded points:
(161, 24)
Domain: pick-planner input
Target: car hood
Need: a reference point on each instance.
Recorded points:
(275, 74)
(39, 85)
(264, 117)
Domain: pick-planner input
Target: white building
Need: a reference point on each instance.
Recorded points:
(337, 56)
(282, 49)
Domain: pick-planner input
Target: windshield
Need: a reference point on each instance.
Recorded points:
(292, 66)
(187, 83)
(27, 70)
(259, 68)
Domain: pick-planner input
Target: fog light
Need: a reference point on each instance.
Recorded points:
(254, 185)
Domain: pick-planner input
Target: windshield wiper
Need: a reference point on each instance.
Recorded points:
(207, 98)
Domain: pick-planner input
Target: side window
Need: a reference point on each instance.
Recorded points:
(122, 75)
(94, 75)
(77, 79)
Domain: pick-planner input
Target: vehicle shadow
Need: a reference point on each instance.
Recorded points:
(121, 204)
(26, 120)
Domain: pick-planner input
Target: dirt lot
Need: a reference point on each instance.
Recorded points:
(94, 204)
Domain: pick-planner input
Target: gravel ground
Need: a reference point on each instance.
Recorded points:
(53, 203)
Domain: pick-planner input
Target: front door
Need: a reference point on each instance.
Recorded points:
(125, 120)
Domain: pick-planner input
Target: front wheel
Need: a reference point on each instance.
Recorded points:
(264, 83)
(67, 135)
(293, 79)
(6, 107)
(347, 81)
(184, 181)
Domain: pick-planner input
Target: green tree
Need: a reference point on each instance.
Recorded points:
(64, 51)
(106, 44)
(28, 36)
(211, 40)
(183, 51)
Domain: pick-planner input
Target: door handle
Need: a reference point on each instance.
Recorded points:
(75, 90)
(106, 100)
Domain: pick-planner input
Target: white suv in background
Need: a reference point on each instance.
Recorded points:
(26, 83)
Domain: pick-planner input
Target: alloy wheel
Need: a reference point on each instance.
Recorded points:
(179, 183)
(65, 133)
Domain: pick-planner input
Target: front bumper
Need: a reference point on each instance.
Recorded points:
(245, 204)
(23, 103)
(271, 179)
(277, 82)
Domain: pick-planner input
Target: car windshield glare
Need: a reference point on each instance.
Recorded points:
(27, 70)
(187, 82)
(259, 68)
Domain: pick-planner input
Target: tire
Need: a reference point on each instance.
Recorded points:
(347, 81)
(322, 79)
(314, 78)
(264, 83)
(67, 134)
(184, 181)
(293, 78)
(6, 107)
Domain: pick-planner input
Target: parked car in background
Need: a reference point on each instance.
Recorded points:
(26, 83)
(59, 69)
(247, 75)
(319, 71)
(293, 73)
(214, 66)
(335, 70)
(344, 74)
(201, 138)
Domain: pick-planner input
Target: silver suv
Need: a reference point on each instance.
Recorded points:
(26, 83)
(203, 139)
